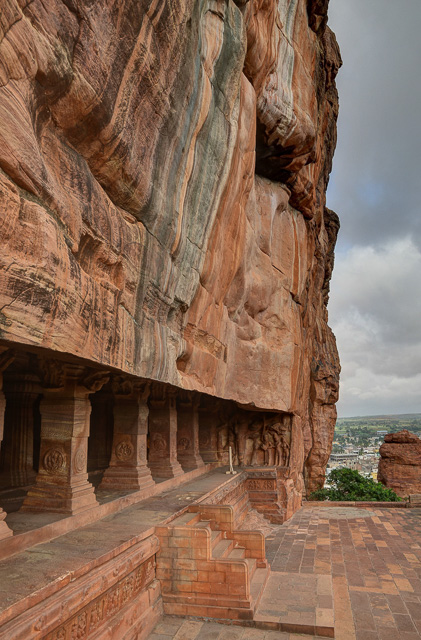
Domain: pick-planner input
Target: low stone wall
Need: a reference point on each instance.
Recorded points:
(120, 598)
(370, 505)
(266, 489)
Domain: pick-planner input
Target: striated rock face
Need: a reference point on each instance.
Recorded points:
(163, 168)
(400, 463)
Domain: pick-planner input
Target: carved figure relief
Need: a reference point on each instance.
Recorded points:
(158, 442)
(204, 440)
(79, 627)
(256, 442)
(124, 451)
(80, 461)
(106, 605)
(184, 444)
(97, 614)
(52, 373)
(261, 485)
(54, 460)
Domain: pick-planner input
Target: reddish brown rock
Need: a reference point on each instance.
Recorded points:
(400, 463)
(149, 225)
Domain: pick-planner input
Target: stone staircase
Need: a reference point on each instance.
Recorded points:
(209, 569)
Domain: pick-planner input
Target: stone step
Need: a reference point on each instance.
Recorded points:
(223, 548)
(257, 586)
(178, 606)
(252, 565)
(185, 520)
(216, 537)
(239, 553)
(201, 524)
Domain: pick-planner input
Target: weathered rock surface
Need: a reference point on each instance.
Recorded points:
(163, 168)
(400, 463)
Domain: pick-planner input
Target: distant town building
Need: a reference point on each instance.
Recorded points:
(382, 432)
(343, 457)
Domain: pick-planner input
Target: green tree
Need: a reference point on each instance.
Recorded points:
(349, 485)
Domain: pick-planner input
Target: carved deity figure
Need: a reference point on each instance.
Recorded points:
(280, 433)
(269, 448)
(240, 429)
(253, 439)
(257, 446)
(223, 439)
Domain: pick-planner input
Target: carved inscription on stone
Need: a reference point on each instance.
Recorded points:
(85, 623)
(54, 460)
(124, 451)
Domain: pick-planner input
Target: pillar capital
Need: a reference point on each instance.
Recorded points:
(187, 398)
(160, 393)
(70, 379)
(124, 386)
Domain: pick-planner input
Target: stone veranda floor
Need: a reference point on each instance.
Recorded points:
(372, 558)
(172, 627)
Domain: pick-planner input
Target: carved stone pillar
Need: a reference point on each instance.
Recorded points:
(208, 435)
(6, 358)
(21, 391)
(162, 459)
(62, 481)
(188, 431)
(129, 466)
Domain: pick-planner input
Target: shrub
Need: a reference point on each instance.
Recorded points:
(349, 485)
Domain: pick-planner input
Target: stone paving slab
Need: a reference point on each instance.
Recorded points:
(180, 629)
(371, 558)
(298, 602)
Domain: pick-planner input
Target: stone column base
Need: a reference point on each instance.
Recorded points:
(5, 532)
(71, 498)
(190, 460)
(165, 469)
(135, 478)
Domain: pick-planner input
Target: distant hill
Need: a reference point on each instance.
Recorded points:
(391, 416)
(370, 424)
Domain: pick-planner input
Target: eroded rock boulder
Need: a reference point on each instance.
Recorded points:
(400, 463)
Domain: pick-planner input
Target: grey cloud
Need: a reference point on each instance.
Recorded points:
(383, 284)
(374, 311)
(374, 185)
(375, 302)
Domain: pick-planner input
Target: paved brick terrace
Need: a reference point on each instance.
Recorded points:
(373, 558)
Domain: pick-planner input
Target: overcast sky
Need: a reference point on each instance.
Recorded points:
(375, 187)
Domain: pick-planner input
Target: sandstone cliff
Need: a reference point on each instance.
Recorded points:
(163, 168)
(400, 463)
